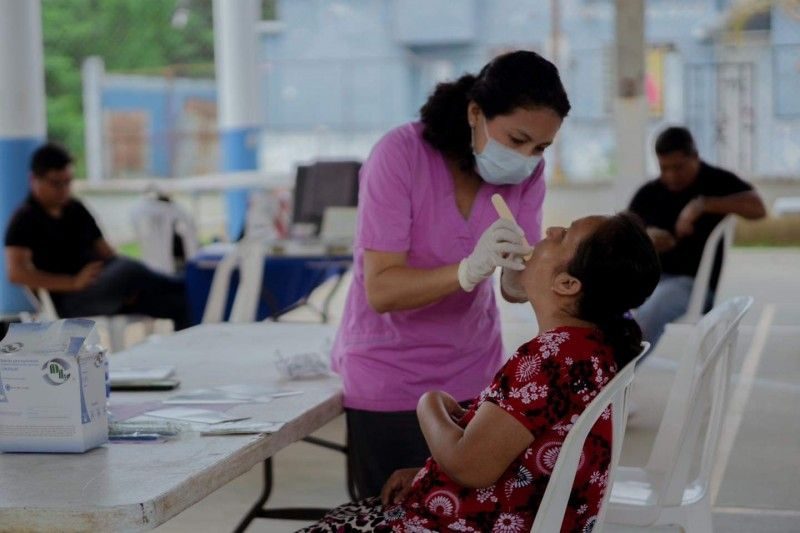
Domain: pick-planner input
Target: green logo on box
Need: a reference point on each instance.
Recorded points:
(56, 371)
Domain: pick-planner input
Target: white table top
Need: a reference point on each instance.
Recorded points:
(137, 486)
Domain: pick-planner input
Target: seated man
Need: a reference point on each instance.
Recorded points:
(681, 209)
(52, 242)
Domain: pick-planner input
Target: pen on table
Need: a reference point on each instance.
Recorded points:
(134, 436)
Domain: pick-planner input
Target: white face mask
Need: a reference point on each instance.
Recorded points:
(500, 165)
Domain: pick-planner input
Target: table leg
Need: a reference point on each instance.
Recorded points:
(259, 505)
(308, 514)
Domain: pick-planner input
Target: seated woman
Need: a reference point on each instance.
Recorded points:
(490, 464)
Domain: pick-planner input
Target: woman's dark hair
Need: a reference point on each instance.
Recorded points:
(49, 156)
(618, 268)
(516, 79)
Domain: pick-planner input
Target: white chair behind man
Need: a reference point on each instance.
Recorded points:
(721, 236)
(116, 326)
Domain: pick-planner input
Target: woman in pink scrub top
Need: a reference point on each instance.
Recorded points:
(421, 313)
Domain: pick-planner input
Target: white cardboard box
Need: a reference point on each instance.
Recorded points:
(52, 388)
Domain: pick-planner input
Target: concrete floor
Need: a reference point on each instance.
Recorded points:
(759, 489)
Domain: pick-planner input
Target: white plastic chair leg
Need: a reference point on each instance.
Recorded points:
(149, 327)
(698, 518)
(116, 332)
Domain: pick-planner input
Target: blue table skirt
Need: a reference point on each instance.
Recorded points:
(287, 280)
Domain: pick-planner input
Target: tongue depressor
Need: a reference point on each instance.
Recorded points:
(504, 212)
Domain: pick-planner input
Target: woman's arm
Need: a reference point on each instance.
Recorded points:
(478, 455)
(392, 285)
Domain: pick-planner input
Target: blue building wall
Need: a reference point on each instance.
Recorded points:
(337, 74)
(163, 103)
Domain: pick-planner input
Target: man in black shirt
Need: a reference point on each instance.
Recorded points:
(53, 242)
(680, 210)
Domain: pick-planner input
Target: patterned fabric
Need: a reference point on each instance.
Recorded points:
(545, 386)
(365, 515)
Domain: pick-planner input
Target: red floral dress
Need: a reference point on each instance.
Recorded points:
(545, 385)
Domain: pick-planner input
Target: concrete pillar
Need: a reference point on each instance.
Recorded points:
(237, 96)
(630, 104)
(23, 121)
(92, 73)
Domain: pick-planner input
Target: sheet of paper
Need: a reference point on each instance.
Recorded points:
(257, 392)
(139, 374)
(230, 394)
(125, 411)
(242, 428)
(207, 396)
(189, 414)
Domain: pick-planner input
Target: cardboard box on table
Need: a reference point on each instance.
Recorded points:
(52, 388)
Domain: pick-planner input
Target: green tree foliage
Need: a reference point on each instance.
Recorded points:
(132, 36)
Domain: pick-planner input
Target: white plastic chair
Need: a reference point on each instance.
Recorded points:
(337, 233)
(155, 222)
(673, 488)
(115, 325)
(723, 233)
(615, 394)
(248, 257)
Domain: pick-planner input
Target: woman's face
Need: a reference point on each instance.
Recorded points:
(553, 253)
(527, 131)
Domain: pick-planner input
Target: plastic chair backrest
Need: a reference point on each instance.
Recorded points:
(47, 309)
(615, 394)
(42, 303)
(154, 222)
(722, 233)
(700, 386)
(248, 257)
(114, 324)
(251, 280)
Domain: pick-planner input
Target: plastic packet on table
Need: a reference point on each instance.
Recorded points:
(161, 427)
(306, 365)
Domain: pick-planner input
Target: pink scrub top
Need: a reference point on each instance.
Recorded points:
(407, 203)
